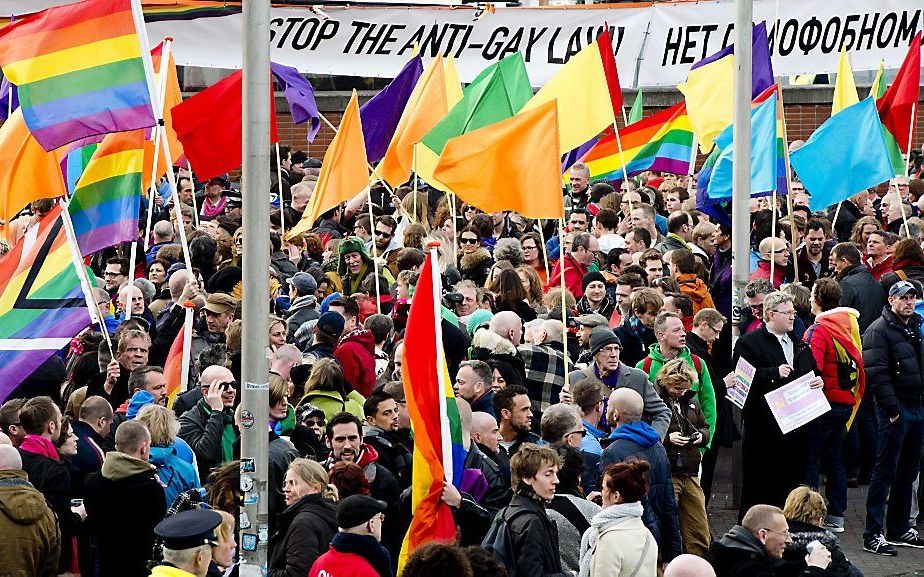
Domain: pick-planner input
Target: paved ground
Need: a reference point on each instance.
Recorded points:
(908, 563)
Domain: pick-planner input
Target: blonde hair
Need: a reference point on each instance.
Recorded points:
(806, 505)
(552, 298)
(423, 209)
(313, 473)
(161, 422)
(233, 332)
(278, 389)
(676, 372)
(225, 529)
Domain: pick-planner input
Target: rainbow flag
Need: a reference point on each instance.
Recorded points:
(841, 324)
(663, 142)
(76, 159)
(107, 198)
(79, 71)
(42, 306)
(438, 452)
(176, 367)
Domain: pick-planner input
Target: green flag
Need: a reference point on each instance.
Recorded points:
(496, 94)
(877, 89)
(636, 113)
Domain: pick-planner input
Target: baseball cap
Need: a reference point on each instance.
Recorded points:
(903, 287)
(591, 320)
(331, 324)
(304, 283)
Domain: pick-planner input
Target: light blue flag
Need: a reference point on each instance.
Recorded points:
(845, 155)
(763, 154)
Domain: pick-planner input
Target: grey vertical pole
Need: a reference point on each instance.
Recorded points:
(255, 372)
(741, 185)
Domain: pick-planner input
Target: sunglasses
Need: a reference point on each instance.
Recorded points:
(465, 240)
(383, 234)
(315, 422)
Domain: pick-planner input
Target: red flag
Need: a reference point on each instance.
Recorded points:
(210, 126)
(896, 104)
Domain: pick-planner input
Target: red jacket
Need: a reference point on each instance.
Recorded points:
(877, 270)
(353, 556)
(356, 354)
(763, 271)
(574, 274)
(821, 341)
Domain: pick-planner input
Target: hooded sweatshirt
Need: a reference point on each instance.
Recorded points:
(694, 287)
(705, 393)
(639, 432)
(31, 541)
(356, 353)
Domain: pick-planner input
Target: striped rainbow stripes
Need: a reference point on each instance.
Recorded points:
(438, 451)
(76, 159)
(79, 71)
(107, 198)
(663, 142)
(42, 306)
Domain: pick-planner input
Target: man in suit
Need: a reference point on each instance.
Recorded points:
(774, 463)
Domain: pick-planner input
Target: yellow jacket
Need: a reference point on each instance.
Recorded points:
(169, 571)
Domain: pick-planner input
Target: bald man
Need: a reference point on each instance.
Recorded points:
(476, 514)
(776, 250)
(636, 439)
(508, 325)
(208, 427)
(24, 513)
(687, 565)
(487, 437)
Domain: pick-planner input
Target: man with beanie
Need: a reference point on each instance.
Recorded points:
(124, 542)
(304, 305)
(188, 540)
(355, 264)
(605, 348)
(355, 551)
(595, 299)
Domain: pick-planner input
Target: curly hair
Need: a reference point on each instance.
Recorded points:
(806, 505)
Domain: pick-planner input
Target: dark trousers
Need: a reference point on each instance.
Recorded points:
(861, 443)
(897, 465)
(826, 437)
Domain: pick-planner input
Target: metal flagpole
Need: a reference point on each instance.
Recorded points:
(741, 194)
(132, 263)
(282, 203)
(155, 137)
(255, 388)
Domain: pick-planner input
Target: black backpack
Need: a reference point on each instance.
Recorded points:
(499, 542)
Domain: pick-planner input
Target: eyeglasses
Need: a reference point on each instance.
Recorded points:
(315, 422)
(466, 240)
(610, 350)
(785, 533)
(383, 234)
(791, 313)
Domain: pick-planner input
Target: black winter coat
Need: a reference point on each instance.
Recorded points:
(121, 515)
(474, 517)
(803, 534)
(303, 534)
(726, 432)
(535, 539)
(773, 464)
(203, 434)
(859, 290)
(53, 480)
(893, 357)
(739, 554)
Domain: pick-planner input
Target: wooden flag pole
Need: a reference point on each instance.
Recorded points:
(545, 253)
(375, 251)
(773, 215)
(155, 137)
(564, 292)
(187, 345)
(192, 183)
(692, 169)
(132, 263)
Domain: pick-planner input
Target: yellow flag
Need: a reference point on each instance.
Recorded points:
(709, 94)
(344, 170)
(431, 99)
(29, 171)
(513, 164)
(845, 89)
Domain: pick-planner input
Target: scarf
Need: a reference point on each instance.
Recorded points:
(228, 434)
(605, 519)
(212, 210)
(40, 446)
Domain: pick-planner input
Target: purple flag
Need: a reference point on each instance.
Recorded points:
(761, 67)
(575, 154)
(7, 91)
(300, 96)
(381, 114)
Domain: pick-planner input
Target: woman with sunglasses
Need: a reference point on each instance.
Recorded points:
(474, 260)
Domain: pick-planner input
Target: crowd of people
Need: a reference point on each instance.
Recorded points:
(590, 367)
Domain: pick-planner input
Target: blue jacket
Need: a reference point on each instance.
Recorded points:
(640, 441)
(174, 473)
(484, 403)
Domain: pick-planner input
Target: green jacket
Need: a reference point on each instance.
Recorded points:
(705, 393)
(332, 403)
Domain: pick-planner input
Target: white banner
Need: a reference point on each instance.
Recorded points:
(378, 41)
(655, 45)
(810, 35)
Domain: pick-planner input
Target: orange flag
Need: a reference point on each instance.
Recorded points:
(344, 170)
(435, 93)
(490, 167)
(29, 172)
(172, 96)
